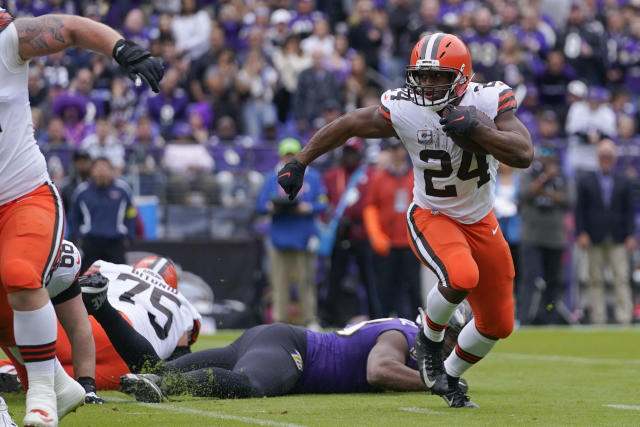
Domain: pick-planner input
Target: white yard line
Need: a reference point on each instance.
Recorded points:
(630, 407)
(567, 359)
(210, 414)
(422, 411)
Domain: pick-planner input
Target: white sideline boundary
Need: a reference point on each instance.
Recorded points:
(629, 407)
(415, 410)
(567, 359)
(209, 414)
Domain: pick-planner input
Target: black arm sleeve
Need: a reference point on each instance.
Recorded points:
(71, 292)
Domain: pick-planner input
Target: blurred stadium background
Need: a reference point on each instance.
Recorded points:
(242, 75)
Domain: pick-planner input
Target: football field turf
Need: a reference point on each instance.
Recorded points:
(551, 377)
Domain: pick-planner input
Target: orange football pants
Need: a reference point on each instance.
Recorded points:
(31, 232)
(468, 257)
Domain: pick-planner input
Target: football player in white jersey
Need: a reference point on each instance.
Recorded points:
(140, 316)
(31, 212)
(75, 347)
(451, 225)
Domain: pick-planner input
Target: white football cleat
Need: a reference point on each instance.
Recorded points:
(69, 393)
(5, 416)
(41, 403)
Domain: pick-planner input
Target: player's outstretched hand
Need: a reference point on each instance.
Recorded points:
(290, 178)
(459, 121)
(138, 63)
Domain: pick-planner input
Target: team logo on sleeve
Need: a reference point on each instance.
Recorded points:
(425, 136)
(297, 359)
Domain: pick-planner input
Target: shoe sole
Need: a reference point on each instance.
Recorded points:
(38, 420)
(141, 388)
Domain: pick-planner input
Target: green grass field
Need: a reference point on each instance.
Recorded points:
(551, 377)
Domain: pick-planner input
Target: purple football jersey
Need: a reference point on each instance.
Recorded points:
(336, 362)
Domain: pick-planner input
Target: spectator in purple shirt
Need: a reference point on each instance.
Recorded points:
(529, 33)
(134, 28)
(170, 105)
(629, 57)
(552, 83)
(304, 18)
(230, 20)
(484, 46)
(426, 21)
(72, 110)
(616, 26)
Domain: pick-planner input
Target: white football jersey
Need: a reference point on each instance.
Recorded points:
(447, 179)
(156, 310)
(22, 165)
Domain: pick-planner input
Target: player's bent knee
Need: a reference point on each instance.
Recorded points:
(17, 275)
(463, 271)
(500, 330)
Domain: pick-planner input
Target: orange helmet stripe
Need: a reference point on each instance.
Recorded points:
(415, 55)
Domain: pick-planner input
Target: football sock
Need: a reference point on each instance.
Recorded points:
(136, 351)
(472, 346)
(208, 382)
(35, 334)
(439, 310)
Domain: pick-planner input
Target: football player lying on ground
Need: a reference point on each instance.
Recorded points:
(138, 317)
(73, 323)
(279, 359)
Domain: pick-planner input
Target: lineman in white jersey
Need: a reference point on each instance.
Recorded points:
(450, 224)
(31, 213)
(155, 309)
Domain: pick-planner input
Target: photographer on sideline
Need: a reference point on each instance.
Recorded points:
(543, 203)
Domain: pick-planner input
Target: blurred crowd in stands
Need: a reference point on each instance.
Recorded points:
(243, 75)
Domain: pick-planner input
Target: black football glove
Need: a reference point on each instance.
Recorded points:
(138, 62)
(89, 385)
(459, 122)
(290, 178)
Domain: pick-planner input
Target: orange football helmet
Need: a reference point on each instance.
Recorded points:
(160, 266)
(438, 52)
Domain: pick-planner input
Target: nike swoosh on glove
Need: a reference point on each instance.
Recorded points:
(291, 177)
(459, 122)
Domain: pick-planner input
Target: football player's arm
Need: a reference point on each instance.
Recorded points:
(75, 321)
(510, 143)
(386, 369)
(365, 122)
(48, 34)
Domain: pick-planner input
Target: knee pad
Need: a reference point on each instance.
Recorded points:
(17, 274)
(462, 270)
(501, 328)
